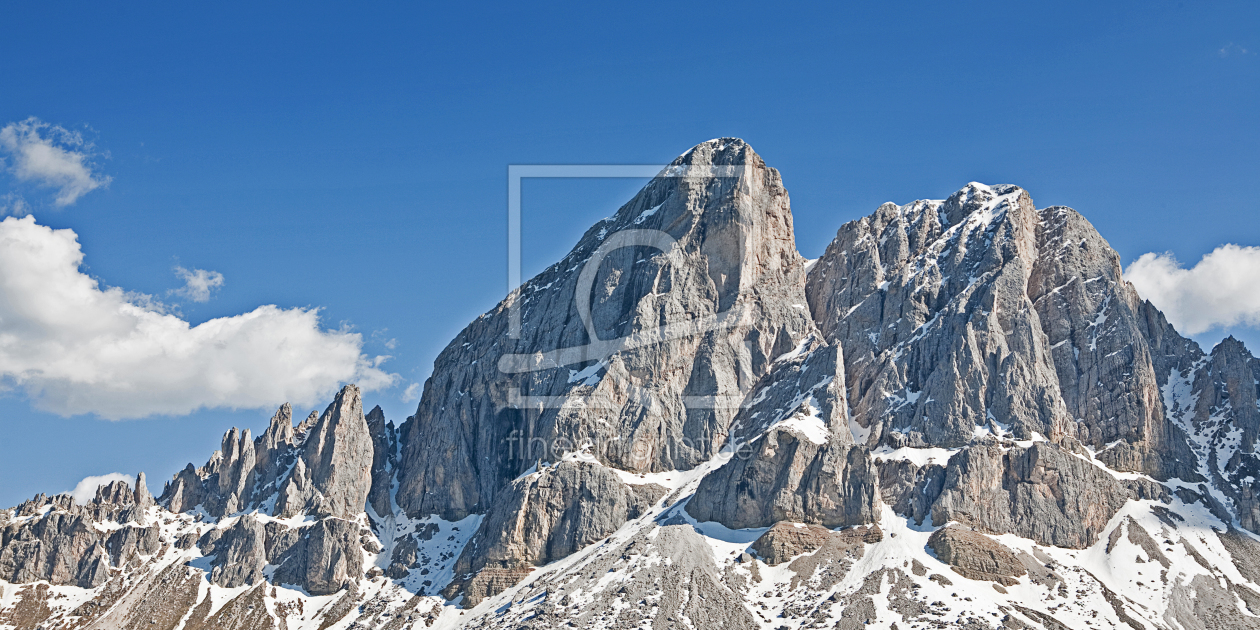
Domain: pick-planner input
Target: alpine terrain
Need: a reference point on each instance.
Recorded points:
(960, 415)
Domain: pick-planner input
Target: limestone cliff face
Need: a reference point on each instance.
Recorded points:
(794, 455)
(929, 302)
(983, 313)
(689, 291)
(334, 469)
(544, 517)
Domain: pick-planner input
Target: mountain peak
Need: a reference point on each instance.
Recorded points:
(717, 152)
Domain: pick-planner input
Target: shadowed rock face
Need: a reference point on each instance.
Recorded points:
(787, 477)
(322, 558)
(384, 460)
(1225, 421)
(731, 282)
(544, 517)
(796, 458)
(1043, 493)
(240, 553)
(785, 541)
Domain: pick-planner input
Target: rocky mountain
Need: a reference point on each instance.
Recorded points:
(960, 415)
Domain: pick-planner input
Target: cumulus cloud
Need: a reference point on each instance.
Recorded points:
(85, 491)
(198, 283)
(50, 156)
(412, 393)
(1222, 290)
(75, 347)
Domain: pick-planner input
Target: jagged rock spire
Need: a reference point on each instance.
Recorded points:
(334, 472)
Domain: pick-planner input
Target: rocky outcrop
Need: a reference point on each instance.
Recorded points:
(1042, 492)
(334, 556)
(322, 558)
(1227, 418)
(910, 488)
(983, 313)
(274, 451)
(693, 287)
(236, 472)
(785, 541)
(669, 578)
(140, 496)
(334, 470)
(787, 477)
(929, 302)
(384, 460)
(53, 539)
(239, 552)
(321, 467)
(976, 556)
(543, 517)
(1105, 367)
(794, 456)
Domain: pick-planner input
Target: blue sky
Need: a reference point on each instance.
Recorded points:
(353, 159)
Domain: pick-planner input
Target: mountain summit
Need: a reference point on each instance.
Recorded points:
(960, 415)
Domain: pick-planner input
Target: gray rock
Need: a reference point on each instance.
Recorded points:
(679, 578)
(929, 302)
(384, 460)
(794, 457)
(1042, 493)
(334, 470)
(1095, 324)
(240, 552)
(657, 406)
(785, 541)
(274, 451)
(909, 488)
(142, 499)
(976, 556)
(544, 517)
(323, 558)
(787, 477)
(334, 557)
(236, 472)
(63, 546)
(983, 312)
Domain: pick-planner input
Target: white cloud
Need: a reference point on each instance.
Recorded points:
(51, 156)
(13, 204)
(198, 283)
(85, 491)
(1222, 290)
(75, 347)
(1231, 49)
(412, 393)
